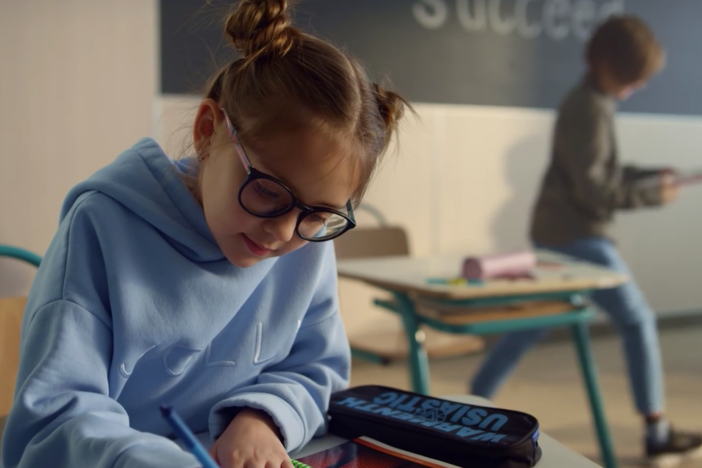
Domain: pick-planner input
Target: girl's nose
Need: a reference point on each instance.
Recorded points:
(282, 227)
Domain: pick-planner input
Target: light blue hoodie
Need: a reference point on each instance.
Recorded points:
(135, 306)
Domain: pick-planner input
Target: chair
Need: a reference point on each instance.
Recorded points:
(11, 311)
(386, 241)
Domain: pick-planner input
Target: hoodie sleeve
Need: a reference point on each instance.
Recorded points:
(295, 393)
(63, 415)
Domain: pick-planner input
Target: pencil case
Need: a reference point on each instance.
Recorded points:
(507, 265)
(455, 433)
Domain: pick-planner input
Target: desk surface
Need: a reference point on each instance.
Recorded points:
(555, 454)
(410, 274)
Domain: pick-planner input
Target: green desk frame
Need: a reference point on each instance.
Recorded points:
(577, 319)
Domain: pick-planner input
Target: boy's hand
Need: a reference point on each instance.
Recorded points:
(250, 441)
(669, 186)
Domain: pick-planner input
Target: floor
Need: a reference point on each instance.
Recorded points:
(548, 386)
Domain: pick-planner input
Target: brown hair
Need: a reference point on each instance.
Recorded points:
(628, 49)
(287, 79)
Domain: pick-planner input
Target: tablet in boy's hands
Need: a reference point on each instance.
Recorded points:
(681, 178)
(688, 178)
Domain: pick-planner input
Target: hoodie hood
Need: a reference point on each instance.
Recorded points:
(150, 185)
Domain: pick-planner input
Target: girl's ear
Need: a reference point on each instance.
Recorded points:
(206, 120)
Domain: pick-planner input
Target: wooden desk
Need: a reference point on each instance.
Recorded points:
(556, 295)
(410, 275)
(555, 454)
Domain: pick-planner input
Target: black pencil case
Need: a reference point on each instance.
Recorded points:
(456, 433)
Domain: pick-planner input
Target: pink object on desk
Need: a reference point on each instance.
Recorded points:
(507, 265)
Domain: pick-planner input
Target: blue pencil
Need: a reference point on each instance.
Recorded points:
(184, 433)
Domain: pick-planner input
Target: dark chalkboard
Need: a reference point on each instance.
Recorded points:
(522, 53)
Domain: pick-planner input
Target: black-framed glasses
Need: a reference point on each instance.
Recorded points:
(264, 196)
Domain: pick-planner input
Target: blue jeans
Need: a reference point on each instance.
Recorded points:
(626, 307)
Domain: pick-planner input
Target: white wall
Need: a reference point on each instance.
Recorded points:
(464, 181)
(78, 87)
(662, 246)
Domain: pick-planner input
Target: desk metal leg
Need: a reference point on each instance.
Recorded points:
(581, 336)
(417, 354)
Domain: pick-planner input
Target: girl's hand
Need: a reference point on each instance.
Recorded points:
(252, 440)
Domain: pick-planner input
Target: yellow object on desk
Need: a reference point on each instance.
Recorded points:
(448, 281)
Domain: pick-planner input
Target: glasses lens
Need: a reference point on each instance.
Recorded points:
(321, 225)
(265, 197)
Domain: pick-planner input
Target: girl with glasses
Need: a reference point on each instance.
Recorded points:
(207, 283)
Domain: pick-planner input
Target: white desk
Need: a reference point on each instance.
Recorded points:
(555, 454)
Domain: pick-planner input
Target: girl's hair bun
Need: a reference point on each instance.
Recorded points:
(259, 28)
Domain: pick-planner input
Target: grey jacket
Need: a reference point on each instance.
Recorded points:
(585, 183)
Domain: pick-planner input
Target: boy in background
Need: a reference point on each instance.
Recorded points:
(583, 188)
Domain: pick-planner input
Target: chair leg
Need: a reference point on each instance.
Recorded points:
(581, 336)
(417, 354)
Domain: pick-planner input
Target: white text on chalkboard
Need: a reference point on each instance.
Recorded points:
(529, 19)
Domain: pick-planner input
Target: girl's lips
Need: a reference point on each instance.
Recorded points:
(255, 248)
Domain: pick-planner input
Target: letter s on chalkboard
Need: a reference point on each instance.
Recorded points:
(431, 14)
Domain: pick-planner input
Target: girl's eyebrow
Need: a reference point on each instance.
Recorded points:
(334, 207)
(263, 168)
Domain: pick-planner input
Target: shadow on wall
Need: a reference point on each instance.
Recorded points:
(524, 163)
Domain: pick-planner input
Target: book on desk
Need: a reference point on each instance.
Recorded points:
(365, 452)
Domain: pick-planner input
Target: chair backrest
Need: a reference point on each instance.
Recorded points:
(11, 312)
(20, 254)
(369, 242)
(383, 241)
